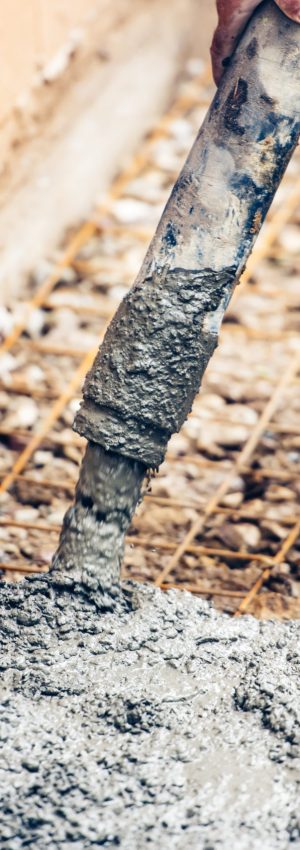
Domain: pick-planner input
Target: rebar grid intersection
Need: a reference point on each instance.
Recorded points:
(278, 218)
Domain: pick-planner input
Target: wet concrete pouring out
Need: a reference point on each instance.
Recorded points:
(132, 717)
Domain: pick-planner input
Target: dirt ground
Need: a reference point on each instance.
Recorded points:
(221, 518)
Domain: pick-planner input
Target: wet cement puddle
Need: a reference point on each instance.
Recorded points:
(161, 723)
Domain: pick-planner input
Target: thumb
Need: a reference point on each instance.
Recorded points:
(291, 8)
(233, 17)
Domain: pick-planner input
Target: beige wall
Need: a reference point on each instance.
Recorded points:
(39, 39)
(31, 33)
(72, 73)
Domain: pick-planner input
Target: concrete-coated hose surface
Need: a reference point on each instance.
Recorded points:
(149, 367)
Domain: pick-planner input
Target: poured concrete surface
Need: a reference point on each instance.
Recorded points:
(162, 724)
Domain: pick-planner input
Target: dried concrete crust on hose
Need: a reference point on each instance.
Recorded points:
(150, 365)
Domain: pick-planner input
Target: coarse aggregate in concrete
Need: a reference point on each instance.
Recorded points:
(163, 723)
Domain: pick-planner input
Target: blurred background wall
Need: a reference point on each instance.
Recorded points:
(80, 83)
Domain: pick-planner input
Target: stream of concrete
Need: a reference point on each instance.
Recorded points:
(91, 543)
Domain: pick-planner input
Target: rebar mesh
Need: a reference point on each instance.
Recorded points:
(221, 518)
